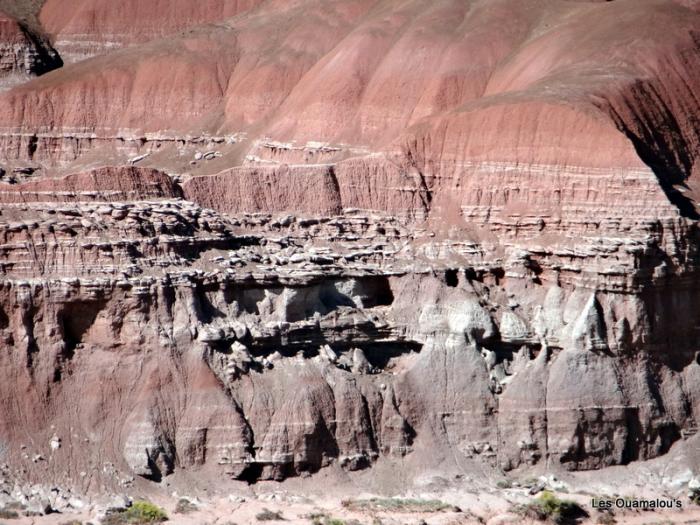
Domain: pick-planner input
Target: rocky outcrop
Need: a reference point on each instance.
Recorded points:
(268, 189)
(374, 184)
(333, 240)
(510, 358)
(23, 52)
(101, 184)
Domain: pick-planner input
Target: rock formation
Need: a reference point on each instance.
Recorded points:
(92, 27)
(304, 234)
(23, 52)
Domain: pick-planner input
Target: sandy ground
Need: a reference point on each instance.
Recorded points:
(484, 508)
(483, 494)
(225, 513)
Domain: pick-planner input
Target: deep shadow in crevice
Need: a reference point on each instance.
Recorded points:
(661, 147)
(472, 275)
(206, 310)
(4, 320)
(668, 434)
(451, 278)
(251, 474)
(155, 474)
(634, 434)
(46, 57)
(32, 146)
(379, 354)
(75, 320)
(669, 177)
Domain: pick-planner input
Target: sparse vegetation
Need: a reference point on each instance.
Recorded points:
(185, 506)
(9, 514)
(72, 522)
(548, 507)
(140, 513)
(322, 519)
(399, 505)
(319, 518)
(268, 515)
(504, 484)
(694, 495)
(529, 482)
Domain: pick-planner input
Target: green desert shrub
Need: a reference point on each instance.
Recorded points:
(140, 513)
(548, 507)
(694, 496)
(185, 506)
(399, 505)
(328, 520)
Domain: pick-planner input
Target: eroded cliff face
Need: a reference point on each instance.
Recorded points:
(262, 346)
(24, 53)
(329, 239)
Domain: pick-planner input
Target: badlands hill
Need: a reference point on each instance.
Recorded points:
(25, 51)
(261, 239)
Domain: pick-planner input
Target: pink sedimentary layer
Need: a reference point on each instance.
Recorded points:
(102, 184)
(373, 184)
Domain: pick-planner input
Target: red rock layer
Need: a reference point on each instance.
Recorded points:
(364, 183)
(308, 190)
(10, 30)
(21, 51)
(561, 84)
(102, 184)
(86, 27)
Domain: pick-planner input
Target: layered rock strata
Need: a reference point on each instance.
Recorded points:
(577, 352)
(94, 27)
(329, 239)
(23, 53)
